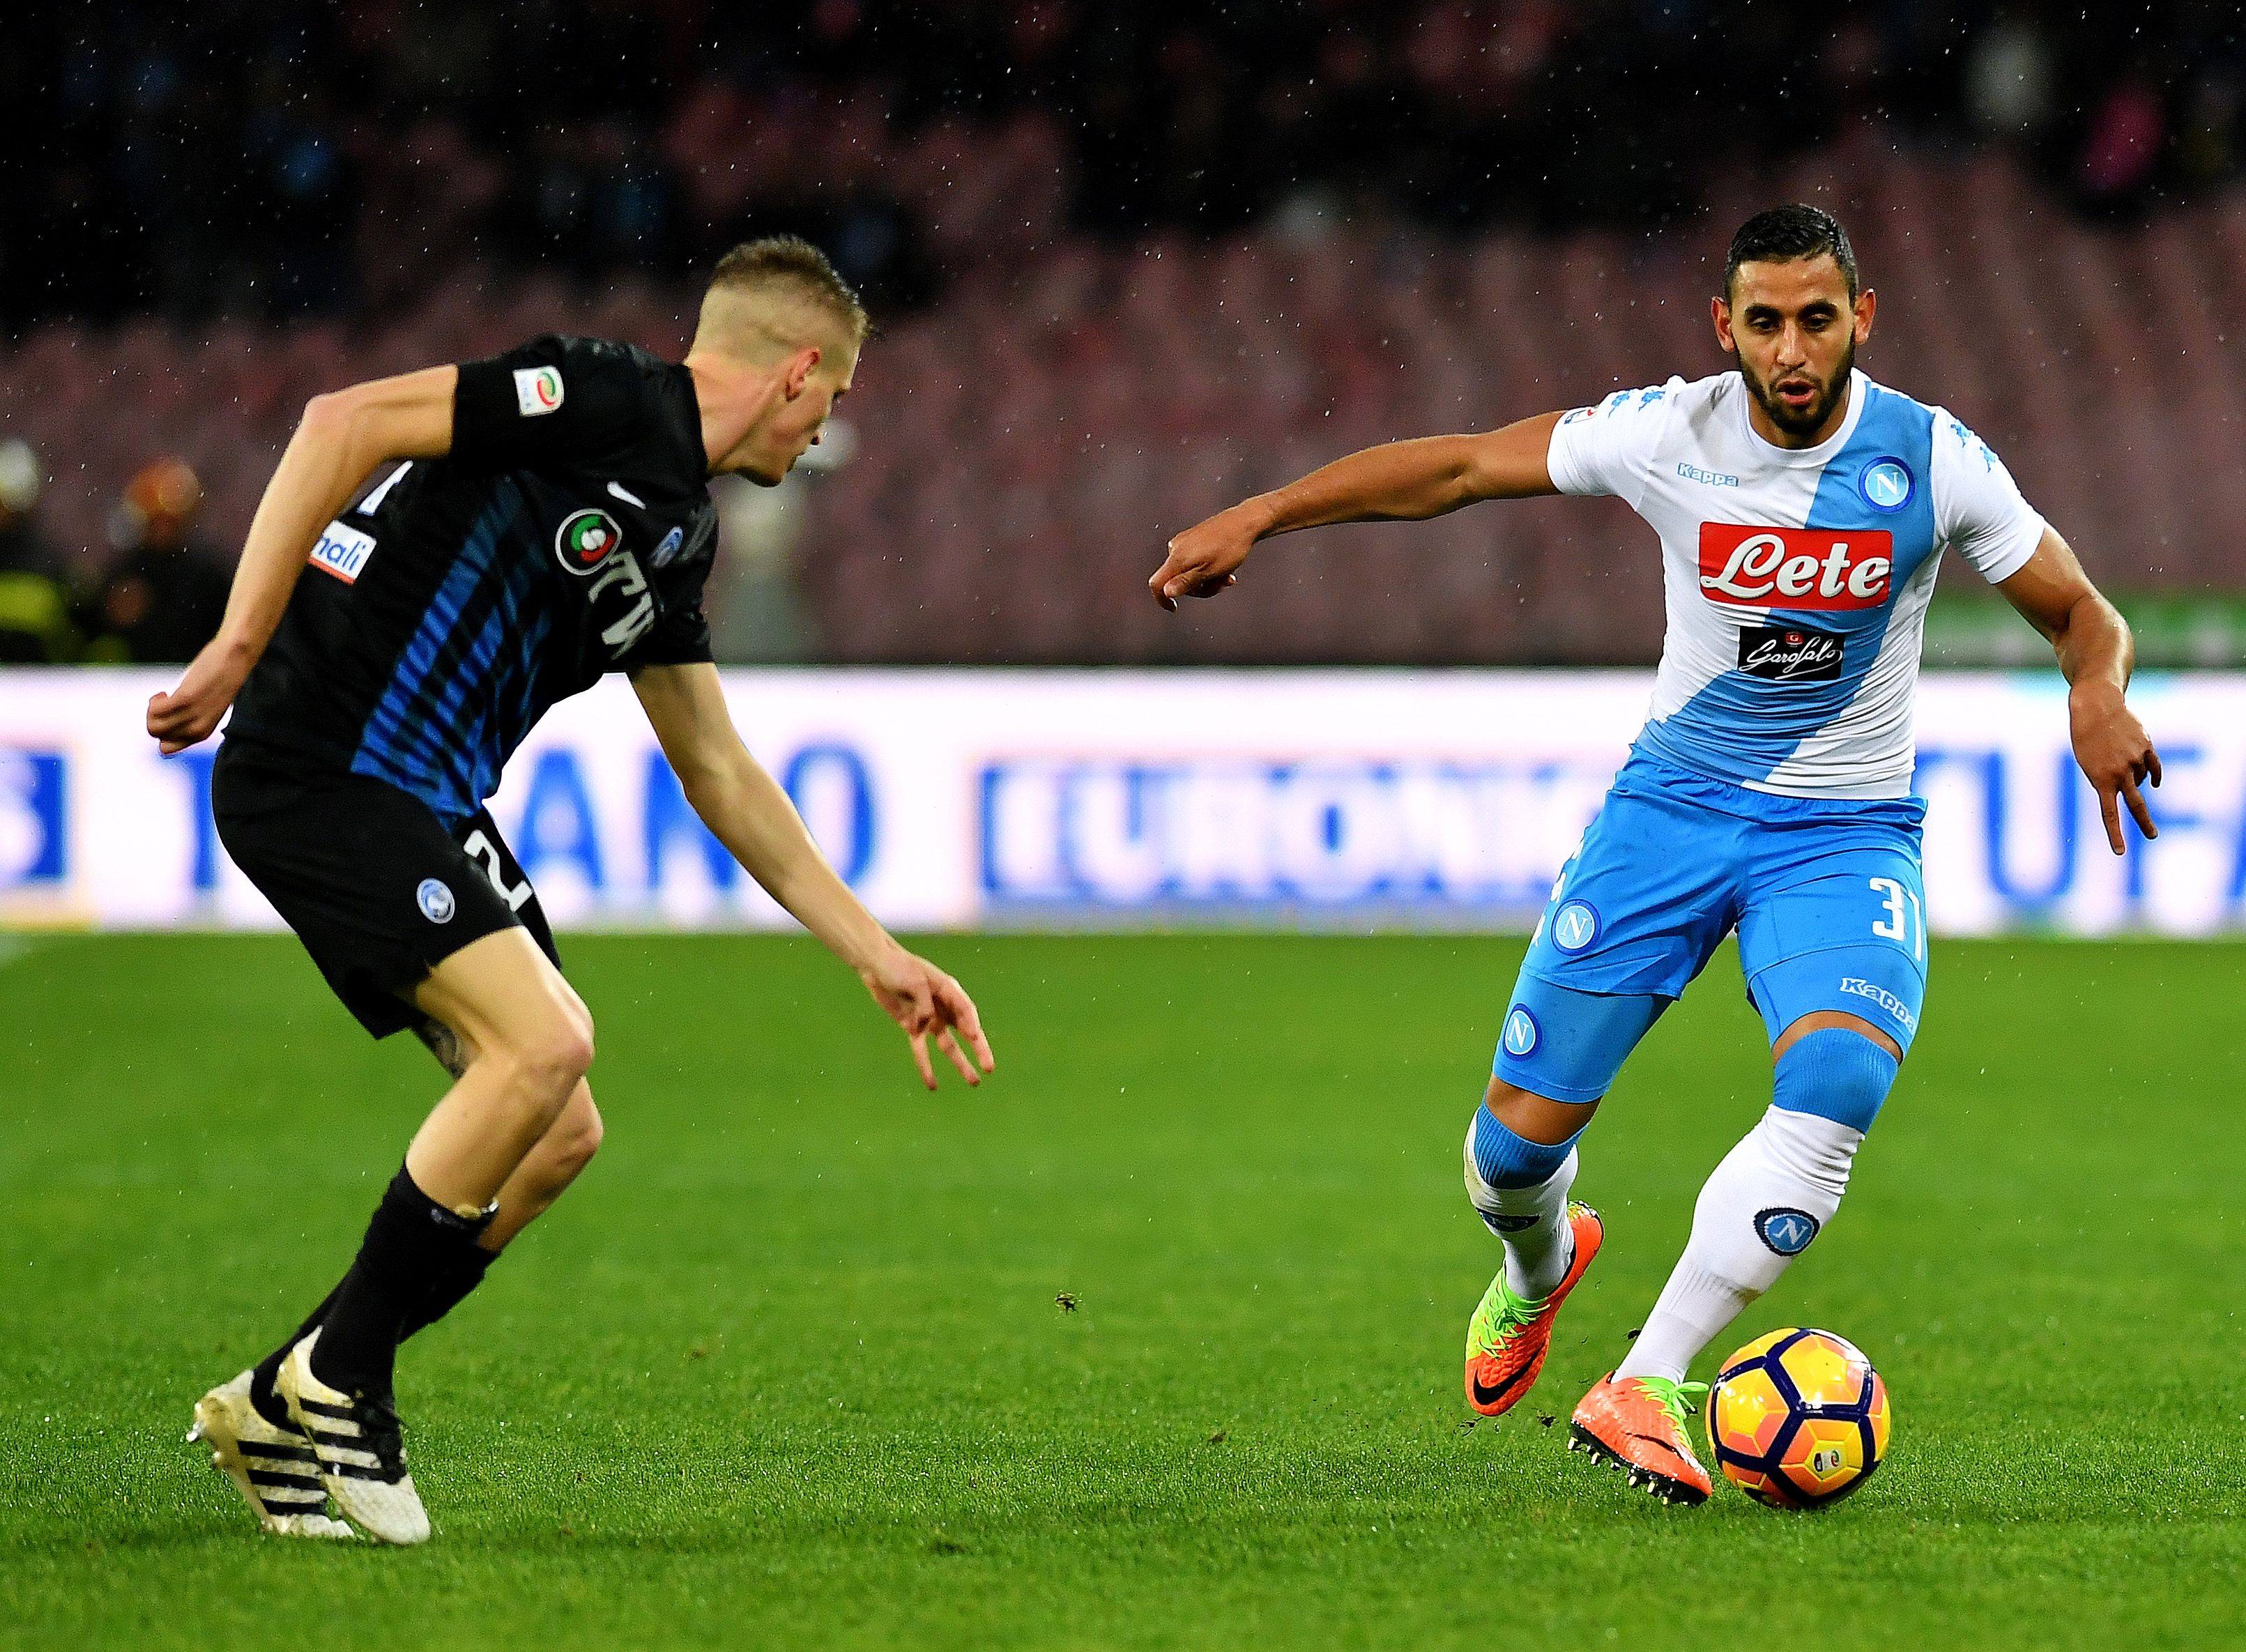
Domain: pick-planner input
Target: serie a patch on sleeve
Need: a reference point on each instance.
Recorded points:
(537, 389)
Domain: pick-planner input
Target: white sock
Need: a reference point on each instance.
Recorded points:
(1540, 1247)
(1747, 1227)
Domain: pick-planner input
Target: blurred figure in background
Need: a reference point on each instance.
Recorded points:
(162, 600)
(35, 624)
(757, 615)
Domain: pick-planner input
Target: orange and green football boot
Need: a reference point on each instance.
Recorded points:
(1638, 1425)
(1507, 1337)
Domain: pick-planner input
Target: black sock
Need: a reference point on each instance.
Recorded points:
(460, 1272)
(407, 1248)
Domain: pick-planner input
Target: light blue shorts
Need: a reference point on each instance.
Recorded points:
(1827, 896)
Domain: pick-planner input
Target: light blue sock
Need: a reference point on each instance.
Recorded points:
(1520, 1190)
(1506, 1160)
(1836, 1074)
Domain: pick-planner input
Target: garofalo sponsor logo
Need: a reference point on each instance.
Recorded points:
(1790, 654)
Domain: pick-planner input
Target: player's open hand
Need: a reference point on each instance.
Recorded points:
(191, 712)
(1202, 558)
(927, 1003)
(2116, 756)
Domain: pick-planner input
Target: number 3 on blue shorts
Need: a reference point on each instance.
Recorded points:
(1904, 921)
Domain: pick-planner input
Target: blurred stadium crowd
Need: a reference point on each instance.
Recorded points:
(1131, 260)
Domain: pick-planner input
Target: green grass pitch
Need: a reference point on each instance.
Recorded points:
(787, 1368)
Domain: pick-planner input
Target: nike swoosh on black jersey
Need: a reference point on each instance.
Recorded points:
(627, 495)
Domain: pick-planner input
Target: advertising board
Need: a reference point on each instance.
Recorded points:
(1120, 799)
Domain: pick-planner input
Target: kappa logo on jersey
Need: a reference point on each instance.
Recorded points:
(342, 551)
(1787, 654)
(587, 539)
(1804, 567)
(537, 389)
(1861, 988)
(1786, 1232)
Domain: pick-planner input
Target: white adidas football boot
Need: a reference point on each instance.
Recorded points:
(361, 1448)
(273, 1468)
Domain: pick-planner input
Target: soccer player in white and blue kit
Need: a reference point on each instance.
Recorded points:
(1803, 511)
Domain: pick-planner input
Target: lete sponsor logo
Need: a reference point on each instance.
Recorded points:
(1798, 567)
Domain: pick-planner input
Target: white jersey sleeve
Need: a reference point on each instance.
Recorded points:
(1608, 447)
(1977, 507)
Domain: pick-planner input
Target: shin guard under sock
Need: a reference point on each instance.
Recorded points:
(461, 1272)
(412, 1243)
(1770, 1197)
(1519, 1188)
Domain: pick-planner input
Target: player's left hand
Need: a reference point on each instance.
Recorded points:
(191, 712)
(1201, 560)
(2116, 756)
(925, 1001)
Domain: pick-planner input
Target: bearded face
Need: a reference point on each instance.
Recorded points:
(1792, 327)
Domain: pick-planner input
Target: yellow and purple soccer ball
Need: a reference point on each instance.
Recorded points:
(1798, 1418)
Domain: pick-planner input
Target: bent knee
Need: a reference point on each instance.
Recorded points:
(552, 1056)
(585, 1130)
(1534, 1118)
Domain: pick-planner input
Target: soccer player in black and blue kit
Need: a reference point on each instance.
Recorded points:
(551, 524)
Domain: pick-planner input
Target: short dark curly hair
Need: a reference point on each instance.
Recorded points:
(1783, 233)
(792, 263)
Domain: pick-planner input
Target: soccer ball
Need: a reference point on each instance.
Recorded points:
(1798, 1418)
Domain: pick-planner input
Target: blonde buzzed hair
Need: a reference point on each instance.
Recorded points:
(776, 275)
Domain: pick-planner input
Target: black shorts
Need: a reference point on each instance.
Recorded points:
(374, 885)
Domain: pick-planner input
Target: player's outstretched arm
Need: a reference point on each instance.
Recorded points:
(2097, 654)
(1396, 482)
(343, 435)
(753, 818)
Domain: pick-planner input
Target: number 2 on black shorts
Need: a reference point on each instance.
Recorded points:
(478, 846)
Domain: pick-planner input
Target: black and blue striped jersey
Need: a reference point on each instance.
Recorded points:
(567, 534)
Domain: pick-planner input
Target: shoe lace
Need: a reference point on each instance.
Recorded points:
(384, 1431)
(1515, 1311)
(1679, 1400)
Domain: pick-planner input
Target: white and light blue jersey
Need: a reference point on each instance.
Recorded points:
(1797, 580)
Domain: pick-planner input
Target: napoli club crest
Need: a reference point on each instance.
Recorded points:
(1786, 1232)
(1886, 485)
(1575, 926)
(1522, 1034)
